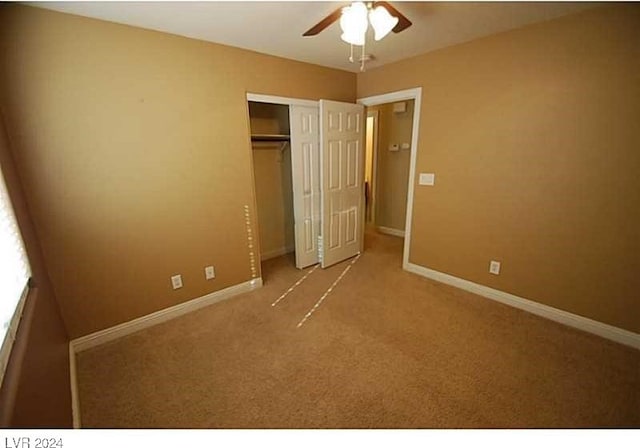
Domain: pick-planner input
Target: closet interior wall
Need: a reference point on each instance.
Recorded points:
(272, 176)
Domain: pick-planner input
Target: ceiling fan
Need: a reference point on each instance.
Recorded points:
(355, 20)
(403, 22)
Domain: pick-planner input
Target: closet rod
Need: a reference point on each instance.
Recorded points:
(270, 138)
(261, 145)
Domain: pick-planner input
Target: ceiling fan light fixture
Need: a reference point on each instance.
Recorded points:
(354, 23)
(382, 22)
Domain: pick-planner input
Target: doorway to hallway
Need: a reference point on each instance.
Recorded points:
(388, 133)
(403, 96)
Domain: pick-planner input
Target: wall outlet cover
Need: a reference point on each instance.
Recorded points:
(494, 267)
(209, 272)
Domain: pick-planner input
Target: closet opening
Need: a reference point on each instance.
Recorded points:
(295, 195)
(271, 154)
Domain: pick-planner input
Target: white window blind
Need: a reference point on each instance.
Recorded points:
(14, 275)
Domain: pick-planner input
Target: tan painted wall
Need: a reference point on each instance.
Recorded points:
(35, 390)
(134, 149)
(392, 166)
(533, 136)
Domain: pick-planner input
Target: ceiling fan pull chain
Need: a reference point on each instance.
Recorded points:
(351, 54)
(362, 58)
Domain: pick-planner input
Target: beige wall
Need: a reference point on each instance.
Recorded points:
(533, 136)
(134, 150)
(392, 168)
(35, 390)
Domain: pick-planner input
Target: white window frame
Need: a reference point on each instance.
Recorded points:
(9, 337)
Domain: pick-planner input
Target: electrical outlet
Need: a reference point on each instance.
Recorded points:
(494, 267)
(209, 273)
(176, 281)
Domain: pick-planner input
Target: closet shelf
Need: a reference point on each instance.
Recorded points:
(270, 137)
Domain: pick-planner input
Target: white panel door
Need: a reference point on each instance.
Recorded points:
(305, 165)
(342, 180)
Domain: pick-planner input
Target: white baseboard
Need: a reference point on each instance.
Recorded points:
(126, 328)
(573, 320)
(390, 231)
(276, 253)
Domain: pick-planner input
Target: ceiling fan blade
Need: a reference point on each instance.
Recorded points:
(321, 25)
(403, 22)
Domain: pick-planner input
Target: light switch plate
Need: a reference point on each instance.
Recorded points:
(176, 281)
(427, 179)
(209, 272)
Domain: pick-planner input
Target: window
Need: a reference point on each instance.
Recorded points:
(14, 276)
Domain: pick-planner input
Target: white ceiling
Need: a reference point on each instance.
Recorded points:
(276, 27)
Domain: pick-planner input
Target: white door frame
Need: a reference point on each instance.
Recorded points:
(404, 95)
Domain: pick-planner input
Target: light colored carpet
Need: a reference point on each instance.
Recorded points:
(386, 349)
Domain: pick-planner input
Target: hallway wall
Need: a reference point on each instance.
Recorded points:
(392, 168)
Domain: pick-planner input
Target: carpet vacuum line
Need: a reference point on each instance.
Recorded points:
(294, 285)
(319, 302)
